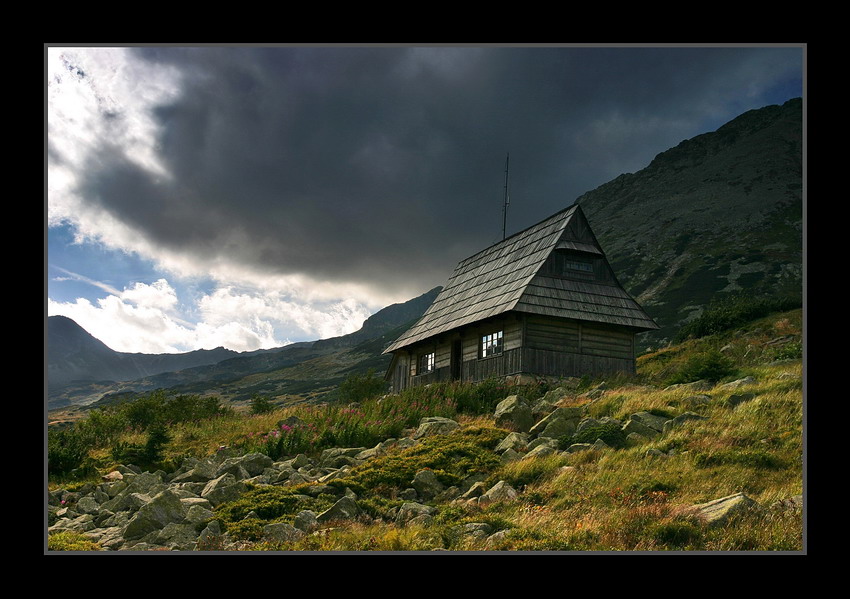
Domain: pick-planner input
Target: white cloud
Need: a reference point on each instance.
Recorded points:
(145, 318)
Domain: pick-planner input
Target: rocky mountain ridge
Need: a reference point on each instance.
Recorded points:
(718, 214)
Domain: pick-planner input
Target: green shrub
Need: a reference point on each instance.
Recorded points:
(611, 434)
(149, 454)
(357, 388)
(261, 404)
(789, 351)
(66, 450)
(70, 541)
(710, 365)
(732, 312)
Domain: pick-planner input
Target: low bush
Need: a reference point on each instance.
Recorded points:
(732, 312)
(357, 387)
(611, 434)
(710, 365)
(261, 404)
(70, 541)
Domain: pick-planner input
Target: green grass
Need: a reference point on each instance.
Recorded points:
(616, 499)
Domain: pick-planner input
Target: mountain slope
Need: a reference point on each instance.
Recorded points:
(720, 213)
(75, 355)
(293, 369)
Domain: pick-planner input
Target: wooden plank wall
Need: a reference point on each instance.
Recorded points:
(605, 342)
(553, 363)
(582, 338)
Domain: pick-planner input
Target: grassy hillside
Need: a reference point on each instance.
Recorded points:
(633, 496)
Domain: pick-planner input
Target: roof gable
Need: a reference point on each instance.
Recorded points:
(508, 276)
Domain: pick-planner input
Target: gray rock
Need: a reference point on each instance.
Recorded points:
(87, 505)
(737, 399)
(282, 532)
(514, 413)
(181, 537)
(501, 491)
(144, 484)
(476, 530)
(344, 509)
(197, 514)
(701, 385)
(560, 422)
(599, 444)
(514, 441)
(164, 508)
(576, 447)
(426, 484)
(542, 408)
(509, 455)
(653, 452)
(337, 457)
(202, 471)
(223, 489)
(255, 463)
(586, 423)
(720, 511)
(651, 420)
(81, 523)
(306, 520)
(681, 418)
(476, 490)
(435, 425)
(633, 426)
(408, 494)
(414, 512)
(211, 538)
(541, 450)
(748, 380)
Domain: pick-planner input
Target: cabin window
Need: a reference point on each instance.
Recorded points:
(491, 344)
(427, 363)
(580, 266)
(568, 264)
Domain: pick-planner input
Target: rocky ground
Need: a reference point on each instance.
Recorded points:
(141, 511)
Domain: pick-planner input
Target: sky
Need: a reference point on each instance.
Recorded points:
(252, 197)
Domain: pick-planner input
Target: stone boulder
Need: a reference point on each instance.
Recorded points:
(678, 420)
(561, 422)
(345, 508)
(747, 380)
(426, 484)
(282, 532)
(164, 508)
(515, 441)
(435, 425)
(223, 489)
(415, 513)
(501, 491)
(720, 511)
(514, 413)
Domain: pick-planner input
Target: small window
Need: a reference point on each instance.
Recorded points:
(582, 266)
(427, 362)
(491, 344)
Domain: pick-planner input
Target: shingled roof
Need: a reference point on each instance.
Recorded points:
(505, 277)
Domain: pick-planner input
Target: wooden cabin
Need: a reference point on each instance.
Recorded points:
(542, 302)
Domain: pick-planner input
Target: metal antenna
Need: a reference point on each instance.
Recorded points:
(507, 201)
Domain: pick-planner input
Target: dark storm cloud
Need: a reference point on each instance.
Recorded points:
(385, 165)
